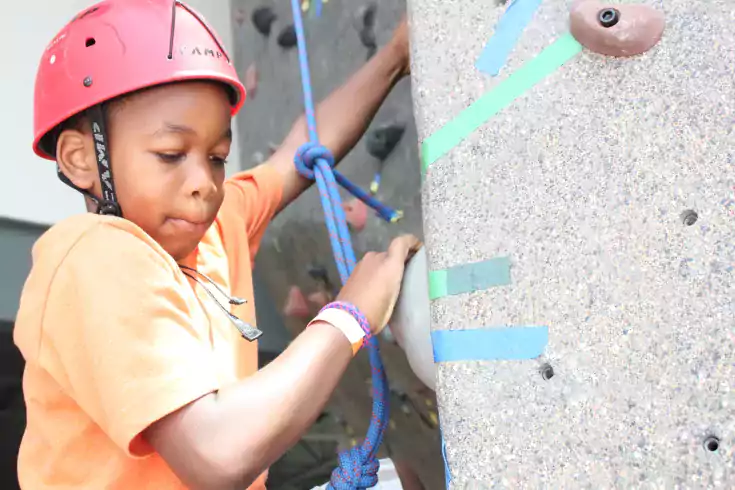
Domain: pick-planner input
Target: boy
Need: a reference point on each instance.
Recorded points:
(131, 321)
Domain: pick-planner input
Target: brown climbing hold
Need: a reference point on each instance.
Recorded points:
(616, 30)
(296, 305)
(251, 81)
(356, 213)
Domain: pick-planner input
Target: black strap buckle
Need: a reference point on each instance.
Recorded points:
(107, 208)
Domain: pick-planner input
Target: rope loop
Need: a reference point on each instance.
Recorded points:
(356, 470)
(306, 158)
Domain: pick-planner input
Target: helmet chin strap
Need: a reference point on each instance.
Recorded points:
(108, 204)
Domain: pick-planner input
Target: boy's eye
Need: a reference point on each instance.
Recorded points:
(177, 157)
(170, 157)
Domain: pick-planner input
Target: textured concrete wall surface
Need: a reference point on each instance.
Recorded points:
(582, 181)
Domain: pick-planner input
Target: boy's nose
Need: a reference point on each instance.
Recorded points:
(200, 179)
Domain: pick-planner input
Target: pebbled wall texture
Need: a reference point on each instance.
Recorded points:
(584, 182)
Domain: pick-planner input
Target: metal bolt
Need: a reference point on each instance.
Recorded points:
(547, 372)
(608, 17)
(689, 217)
(712, 444)
(88, 82)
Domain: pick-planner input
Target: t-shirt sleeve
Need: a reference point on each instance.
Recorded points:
(251, 200)
(118, 335)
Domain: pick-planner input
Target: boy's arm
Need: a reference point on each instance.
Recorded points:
(226, 439)
(131, 353)
(343, 117)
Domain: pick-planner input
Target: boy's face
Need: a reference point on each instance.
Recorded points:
(168, 147)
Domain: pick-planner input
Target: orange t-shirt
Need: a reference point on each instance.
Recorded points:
(116, 337)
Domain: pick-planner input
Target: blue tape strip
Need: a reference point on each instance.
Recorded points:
(507, 31)
(489, 344)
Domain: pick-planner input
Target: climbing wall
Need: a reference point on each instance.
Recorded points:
(601, 191)
(296, 244)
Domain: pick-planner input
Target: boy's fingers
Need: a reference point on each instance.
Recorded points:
(403, 248)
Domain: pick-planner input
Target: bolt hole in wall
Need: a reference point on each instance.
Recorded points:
(689, 217)
(712, 444)
(547, 372)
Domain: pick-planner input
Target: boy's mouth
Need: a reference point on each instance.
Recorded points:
(188, 226)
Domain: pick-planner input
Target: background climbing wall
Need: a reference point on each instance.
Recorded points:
(298, 237)
(583, 182)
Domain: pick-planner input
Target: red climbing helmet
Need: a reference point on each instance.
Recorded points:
(120, 46)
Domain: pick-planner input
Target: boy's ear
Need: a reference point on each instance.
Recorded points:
(76, 158)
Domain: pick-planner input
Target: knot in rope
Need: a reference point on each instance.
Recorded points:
(307, 156)
(357, 470)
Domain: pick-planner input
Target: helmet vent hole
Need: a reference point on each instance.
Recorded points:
(90, 42)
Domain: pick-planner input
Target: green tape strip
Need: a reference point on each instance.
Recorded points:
(497, 99)
(467, 278)
(437, 284)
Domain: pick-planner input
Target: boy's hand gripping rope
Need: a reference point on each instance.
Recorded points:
(358, 467)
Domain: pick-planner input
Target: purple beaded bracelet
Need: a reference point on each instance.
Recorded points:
(356, 314)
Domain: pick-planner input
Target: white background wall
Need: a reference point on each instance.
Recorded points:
(29, 188)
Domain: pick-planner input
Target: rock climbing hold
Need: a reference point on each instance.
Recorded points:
(689, 217)
(239, 16)
(251, 81)
(712, 444)
(296, 305)
(263, 18)
(626, 30)
(318, 272)
(608, 17)
(356, 213)
(287, 37)
(381, 141)
(411, 320)
(547, 372)
(365, 26)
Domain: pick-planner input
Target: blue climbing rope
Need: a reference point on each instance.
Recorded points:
(358, 467)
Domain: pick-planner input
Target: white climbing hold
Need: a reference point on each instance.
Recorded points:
(410, 323)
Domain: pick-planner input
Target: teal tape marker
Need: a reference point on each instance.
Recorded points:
(489, 344)
(507, 32)
(497, 99)
(467, 278)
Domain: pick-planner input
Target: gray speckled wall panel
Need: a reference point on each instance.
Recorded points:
(582, 182)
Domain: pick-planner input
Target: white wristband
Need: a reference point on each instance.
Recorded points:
(345, 323)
